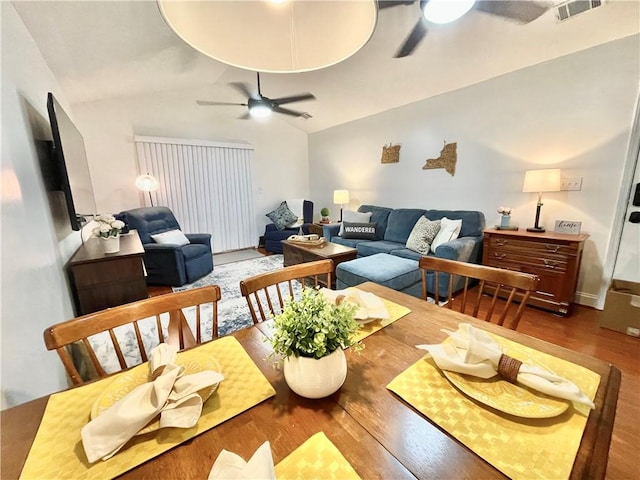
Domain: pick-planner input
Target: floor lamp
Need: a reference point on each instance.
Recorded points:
(147, 183)
(341, 197)
(547, 180)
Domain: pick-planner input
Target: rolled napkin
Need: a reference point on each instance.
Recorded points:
(475, 352)
(170, 394)
(229, 466)
(369, 305)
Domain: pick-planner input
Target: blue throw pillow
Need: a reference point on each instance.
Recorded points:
(362, 231)
(282, 216)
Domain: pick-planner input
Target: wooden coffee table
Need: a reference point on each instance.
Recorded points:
(294, 253)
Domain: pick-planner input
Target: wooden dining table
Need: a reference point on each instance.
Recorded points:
(378, 433)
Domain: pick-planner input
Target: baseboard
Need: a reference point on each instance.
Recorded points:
(588, 300)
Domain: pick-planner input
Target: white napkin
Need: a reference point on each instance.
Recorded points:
(475, 352)
(369, 305)
(229, 466)
(171, 394)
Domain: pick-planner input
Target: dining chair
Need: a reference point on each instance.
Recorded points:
(266, 293)
(77, 334)
(509, 285)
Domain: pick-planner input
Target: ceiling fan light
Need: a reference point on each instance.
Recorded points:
(445, 11)
(259, 111)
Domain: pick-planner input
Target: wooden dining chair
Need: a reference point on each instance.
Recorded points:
(118, 321)
(266, 293)
(492, 283)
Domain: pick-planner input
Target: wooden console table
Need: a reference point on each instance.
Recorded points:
(101, 280)
(554, 257)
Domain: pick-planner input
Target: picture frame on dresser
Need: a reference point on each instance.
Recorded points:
(554, 257)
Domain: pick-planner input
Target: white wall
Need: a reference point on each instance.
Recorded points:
(34, 291)
(574, 113)
(280, 167)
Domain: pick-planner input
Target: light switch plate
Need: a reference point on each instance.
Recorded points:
(574, 183)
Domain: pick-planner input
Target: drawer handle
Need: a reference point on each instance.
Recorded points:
(550, 264)
(553, 248)
(499, 255)
(500, 242)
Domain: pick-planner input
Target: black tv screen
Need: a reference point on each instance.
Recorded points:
(72, 167)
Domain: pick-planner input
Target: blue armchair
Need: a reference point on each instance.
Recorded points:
(273, 236)
(169, 264)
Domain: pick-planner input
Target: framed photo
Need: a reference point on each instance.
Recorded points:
(567, 226)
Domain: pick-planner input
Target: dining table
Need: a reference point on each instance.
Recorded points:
(378, 432)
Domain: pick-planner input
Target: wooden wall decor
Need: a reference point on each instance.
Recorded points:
(447, 159)
(390, 154)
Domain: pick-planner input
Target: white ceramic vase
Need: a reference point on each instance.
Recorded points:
(316, 378)
(111, 244)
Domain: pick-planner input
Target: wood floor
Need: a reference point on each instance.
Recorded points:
(582, 332)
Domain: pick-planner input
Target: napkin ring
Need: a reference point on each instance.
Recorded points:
(509, 367)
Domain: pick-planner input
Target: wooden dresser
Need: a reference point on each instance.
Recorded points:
(554, 257)
(101, 280)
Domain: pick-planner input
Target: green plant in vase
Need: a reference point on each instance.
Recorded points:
(324, 213)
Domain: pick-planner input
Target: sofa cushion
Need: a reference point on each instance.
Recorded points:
(473, 222)
(282, 216)
(379, 216)
(422, 234)
(351, 216)
(406, 253)
(378, 246)
(366, 231)
(349, 242)
(393, 272)
(400, 224)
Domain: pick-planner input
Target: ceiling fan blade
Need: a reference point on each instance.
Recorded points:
(287, 111)
(293, 98)
(523, 12)
(243, 88)
(393, 3)
(414, 38)
(207, 102)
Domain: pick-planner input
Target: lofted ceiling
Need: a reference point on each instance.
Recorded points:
(113, 49)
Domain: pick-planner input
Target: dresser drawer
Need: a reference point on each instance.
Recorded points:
(531, 247)
(514, 259)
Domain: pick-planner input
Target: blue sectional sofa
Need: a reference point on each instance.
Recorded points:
(397, 267)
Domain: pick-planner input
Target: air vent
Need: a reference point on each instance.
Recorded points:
(569, 9)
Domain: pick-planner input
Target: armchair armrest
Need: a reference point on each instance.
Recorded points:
(201, 238)
(464, 249)
(330, 231)
(164, 263)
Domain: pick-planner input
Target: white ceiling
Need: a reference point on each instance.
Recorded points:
(99, 50)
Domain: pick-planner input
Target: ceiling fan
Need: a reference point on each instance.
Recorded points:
(261, 106)
(445, 11)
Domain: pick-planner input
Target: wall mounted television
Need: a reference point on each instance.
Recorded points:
(70, 159)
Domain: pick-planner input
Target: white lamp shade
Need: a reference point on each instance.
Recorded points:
(269, 36)
(341, 196)
(147, 183)
(546, 180)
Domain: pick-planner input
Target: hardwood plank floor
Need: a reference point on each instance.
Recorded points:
(582, 332)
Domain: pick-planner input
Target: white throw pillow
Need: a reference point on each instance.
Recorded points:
(174, 237)
(296, 206)
(449, 230)
(353, 217)
(423, 233)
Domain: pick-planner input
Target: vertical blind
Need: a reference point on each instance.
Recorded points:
(207, 185)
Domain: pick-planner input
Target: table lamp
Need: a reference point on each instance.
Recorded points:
(341, 197)
(147, 183)
(546, 180)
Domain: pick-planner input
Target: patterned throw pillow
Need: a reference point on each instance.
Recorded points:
(423, 233)
(363, 231)
(282, 216)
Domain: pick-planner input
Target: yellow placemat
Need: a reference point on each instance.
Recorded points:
(315, 458)
(396, 312)
(57, 449)
(519, 447)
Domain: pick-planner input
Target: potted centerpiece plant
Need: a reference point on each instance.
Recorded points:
(324, 213)
(108, 230)
(311, 334)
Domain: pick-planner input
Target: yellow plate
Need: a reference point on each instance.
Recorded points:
(193, 362)
(507, 397)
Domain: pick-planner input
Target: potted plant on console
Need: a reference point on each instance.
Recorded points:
(311, 334)
(324, 213)
(108, 231)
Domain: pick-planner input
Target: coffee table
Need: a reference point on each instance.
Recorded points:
(294, 253)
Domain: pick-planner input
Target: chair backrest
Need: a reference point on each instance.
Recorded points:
(147, 315)
(266, 293)
(510, 285)
(150, 220)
